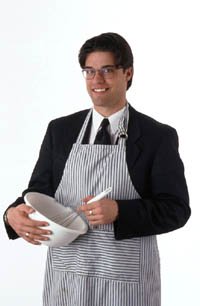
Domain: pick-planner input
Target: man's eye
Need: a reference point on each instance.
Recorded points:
(107, 70)
(89, 71)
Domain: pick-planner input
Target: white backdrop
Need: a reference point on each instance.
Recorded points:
(40, 79)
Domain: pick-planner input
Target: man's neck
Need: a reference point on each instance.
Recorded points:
(108, 111)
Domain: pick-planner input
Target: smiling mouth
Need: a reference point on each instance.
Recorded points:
(100, 89)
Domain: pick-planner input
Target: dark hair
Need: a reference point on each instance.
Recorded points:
(108, 42)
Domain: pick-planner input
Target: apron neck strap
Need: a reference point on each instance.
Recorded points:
(84, 127)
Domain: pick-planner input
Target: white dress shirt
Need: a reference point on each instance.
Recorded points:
(112, 128)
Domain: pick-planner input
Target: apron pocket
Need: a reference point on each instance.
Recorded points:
(98, 254)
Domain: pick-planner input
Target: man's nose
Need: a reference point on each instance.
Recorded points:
(99, 76)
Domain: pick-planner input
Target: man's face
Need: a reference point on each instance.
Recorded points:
(108, 94)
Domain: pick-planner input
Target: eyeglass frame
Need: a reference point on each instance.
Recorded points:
(101, 71)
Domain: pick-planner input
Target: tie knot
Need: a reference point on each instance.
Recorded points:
(104, 123)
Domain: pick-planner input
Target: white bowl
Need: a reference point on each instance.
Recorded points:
(48, 209)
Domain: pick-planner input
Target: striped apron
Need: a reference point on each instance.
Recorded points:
(96, 269)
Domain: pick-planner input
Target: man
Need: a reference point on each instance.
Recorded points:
(116, 263)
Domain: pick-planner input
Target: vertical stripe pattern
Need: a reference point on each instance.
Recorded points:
(96, 269)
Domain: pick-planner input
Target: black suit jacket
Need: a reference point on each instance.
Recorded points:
(154, 165)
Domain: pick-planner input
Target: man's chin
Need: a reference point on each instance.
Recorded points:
(100, 102)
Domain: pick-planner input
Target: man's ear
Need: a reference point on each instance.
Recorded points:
(129, 73)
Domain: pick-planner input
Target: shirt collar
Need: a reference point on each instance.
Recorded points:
(113, 119)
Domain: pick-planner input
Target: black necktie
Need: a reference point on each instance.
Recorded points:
(103, 136)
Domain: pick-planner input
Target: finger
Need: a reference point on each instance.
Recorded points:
(88, 207)
(93, 212)
(93, 218)
(25, 208)
(28, 225)
(35, 242)
(36, 231)
(86, 199)
(97, 221)
(36, 223)
(34, 238)
(28, 239)
(21, 216)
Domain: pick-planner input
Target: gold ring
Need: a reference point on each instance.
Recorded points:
(90, 212)
(27, 234)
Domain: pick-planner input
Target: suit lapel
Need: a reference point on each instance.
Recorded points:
(133, 148)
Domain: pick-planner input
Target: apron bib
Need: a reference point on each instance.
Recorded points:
(96, 269)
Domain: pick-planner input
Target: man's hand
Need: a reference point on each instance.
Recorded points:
(30, 230)
(104, 211)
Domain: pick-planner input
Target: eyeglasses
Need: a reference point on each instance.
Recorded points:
(106, 72)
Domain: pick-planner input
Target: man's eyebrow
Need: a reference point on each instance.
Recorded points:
(104, 66)
(107, 66)
(88, 67)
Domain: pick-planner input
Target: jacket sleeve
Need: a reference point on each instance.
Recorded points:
(55, 149)
(41, 179)
(164, 206)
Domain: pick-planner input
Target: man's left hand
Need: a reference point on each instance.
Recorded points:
(104, 211)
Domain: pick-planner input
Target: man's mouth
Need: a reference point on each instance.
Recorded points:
(100, 89)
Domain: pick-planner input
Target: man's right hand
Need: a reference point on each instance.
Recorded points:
(27, 228)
